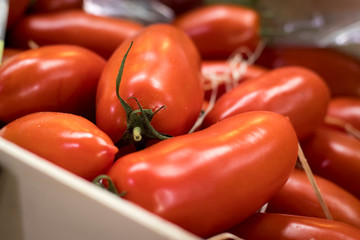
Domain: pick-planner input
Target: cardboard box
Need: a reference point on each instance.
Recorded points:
(40, 201)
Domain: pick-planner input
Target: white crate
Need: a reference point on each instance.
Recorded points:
(40, 201)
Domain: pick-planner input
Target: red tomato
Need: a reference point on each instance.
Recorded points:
(346, 109)
(336, 156)
(220, 69)
(340, 71)
(53, 78)
(69, 141)
(297, 197)
(209, 180)
(17, 9)
(272, 226)
(295, 92)
(49, 6)
(99, 34)
(218, 30)
(162, 69)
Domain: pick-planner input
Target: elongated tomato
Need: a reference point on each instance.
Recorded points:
(295, 92)
(220, 29)
(336, 156)
(60, 78)
(208, 181)
(297, 197)
(340, 71)
(272, 226)
(346, 109)
(161, 69)
(99, 34)
(51, 6)
(17, 9)
(69, 141)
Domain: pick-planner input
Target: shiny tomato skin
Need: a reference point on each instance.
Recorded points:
(69, 141)
(51, 78)
(221, 68)
(340, 71)
(50, 6)
(99, 34)
(272, 226)
(295, 92)
(298, 198)
(220, 29)
(161, 69)
(346, 109)
(209, 180)
(334, 155)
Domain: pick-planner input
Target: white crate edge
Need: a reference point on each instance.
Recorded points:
(139, 224)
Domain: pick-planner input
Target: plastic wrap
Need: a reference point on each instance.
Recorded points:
(320, 23)
(146, 12)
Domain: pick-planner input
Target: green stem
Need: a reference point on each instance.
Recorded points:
(124, 104)
(137, 134)
(139, 130)
(110, 186)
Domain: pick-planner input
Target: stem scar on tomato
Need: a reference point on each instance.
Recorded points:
(139, 130)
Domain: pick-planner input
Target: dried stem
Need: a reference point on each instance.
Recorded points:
(237, 68)
(225, 236)
(313, 183)
(350, 129)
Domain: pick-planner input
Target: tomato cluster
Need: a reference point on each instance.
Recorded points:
(184, 122)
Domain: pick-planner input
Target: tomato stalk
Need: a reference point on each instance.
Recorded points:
(139, 130)
(109, 185)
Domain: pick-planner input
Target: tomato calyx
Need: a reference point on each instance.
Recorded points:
(139, 129)
(105, 182)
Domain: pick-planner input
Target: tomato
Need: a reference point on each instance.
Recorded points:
(295, 92)
(346, 109)
(219, 29)
(297, 197)
(209, 180)
(99, 34)
(162, 69)
(52, 78)
(340, 71)
(336, 156)
(69, 141)
(223, 73)
(17, 10)
(49, 6)
(272, 226)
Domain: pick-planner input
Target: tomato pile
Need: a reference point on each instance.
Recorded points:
(186, 121)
